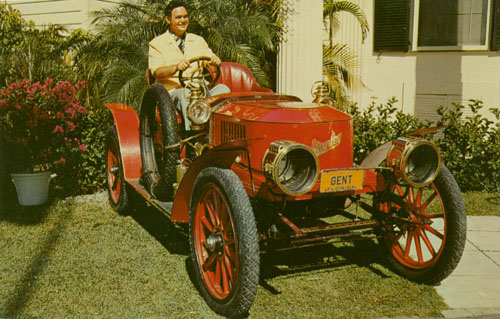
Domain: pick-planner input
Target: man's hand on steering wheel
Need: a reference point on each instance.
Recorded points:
(203, 68)
(215, 60)
(183, 65)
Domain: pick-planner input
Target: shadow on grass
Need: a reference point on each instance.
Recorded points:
(304, 260)
(27, 285)
(12, 212)
(172, 236)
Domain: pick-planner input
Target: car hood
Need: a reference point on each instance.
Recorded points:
(279, 111)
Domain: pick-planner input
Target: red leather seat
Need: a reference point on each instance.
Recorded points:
(239, 78)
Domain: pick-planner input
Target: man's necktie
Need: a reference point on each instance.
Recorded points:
(180, 44)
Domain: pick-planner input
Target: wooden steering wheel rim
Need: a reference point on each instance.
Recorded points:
(200, 58)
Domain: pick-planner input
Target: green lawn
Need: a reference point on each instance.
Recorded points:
(80, 259)
(482, 203)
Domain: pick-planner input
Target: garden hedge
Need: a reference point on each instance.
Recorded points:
(470, 145)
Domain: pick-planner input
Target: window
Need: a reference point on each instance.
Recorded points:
(455, 24)
(419, 25)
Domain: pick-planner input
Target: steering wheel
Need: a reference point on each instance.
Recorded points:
(201, 71)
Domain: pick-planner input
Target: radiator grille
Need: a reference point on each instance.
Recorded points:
(232, 131)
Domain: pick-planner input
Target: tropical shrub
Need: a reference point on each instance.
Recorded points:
(34, 53)
(39, 123)
(11, 35)
(43, 53)
(91, 169)
(379, 123)
(10, 27)
(471, 145)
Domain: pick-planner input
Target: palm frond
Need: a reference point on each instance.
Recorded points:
(331, 8)
(340, 65)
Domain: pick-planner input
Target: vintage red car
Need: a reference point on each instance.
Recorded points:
(260, 171)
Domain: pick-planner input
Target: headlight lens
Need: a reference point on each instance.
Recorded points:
(199, 112)
(293, 167)
(422, 164)
(417, 161)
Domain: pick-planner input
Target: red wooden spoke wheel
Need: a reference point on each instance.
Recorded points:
(117, 189)
(215, 243)
(418, 240)
(113, 172)
(425, 228)
(224, 242)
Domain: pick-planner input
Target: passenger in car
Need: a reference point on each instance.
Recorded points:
(170, 53)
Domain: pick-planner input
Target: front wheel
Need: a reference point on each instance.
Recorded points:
(224, 242)
(425, 228)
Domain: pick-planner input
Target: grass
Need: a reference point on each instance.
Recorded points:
(482, 203)
(80, 259)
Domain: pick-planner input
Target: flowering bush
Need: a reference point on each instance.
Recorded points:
(39, 124)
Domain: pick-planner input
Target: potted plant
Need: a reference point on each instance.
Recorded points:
(39, 123)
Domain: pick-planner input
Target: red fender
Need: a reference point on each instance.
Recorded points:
(222, 156)
(127, 127)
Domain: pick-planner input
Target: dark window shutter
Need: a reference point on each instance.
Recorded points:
(391, 30)
(495, 26)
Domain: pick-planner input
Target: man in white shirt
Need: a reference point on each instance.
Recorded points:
(170, 53)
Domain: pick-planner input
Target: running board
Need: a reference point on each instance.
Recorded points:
(164, 207)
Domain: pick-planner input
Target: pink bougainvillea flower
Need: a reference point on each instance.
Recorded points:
(58, 129)
(70, 126)
(71, 111)
(43, 121)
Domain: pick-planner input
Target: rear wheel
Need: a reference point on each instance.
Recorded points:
(159, 129)
(119, 198)
(224, 242)
(425, 228)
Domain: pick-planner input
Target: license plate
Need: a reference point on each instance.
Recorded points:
(341, 180)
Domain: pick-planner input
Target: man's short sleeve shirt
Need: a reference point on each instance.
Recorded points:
(164, 51)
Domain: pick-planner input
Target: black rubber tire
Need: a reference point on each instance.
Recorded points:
(239, 301)
(123, 204)
(455, 237)
(159, 173)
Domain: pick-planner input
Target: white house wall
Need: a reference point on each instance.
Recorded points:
(421, 81)
(69, 13)
(301, 54)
